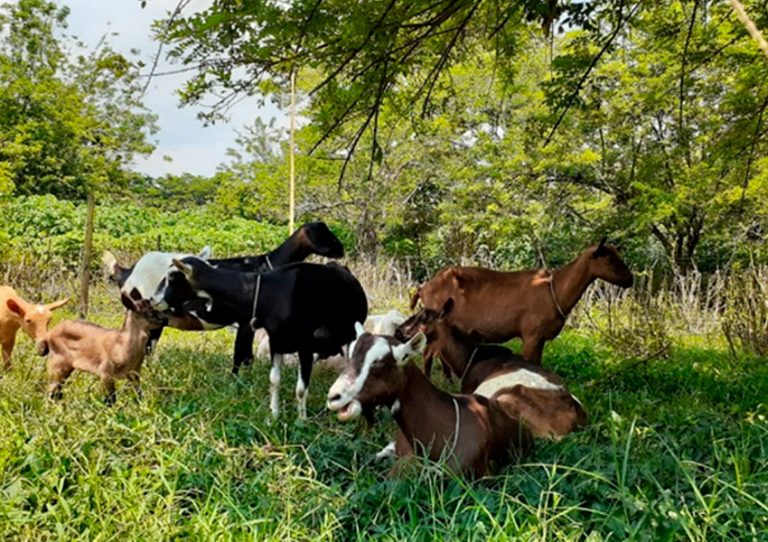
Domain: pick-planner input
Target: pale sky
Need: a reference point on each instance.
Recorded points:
(193, 147)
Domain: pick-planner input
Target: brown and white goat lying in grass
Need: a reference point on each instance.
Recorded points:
(469, 432)
(526, 391)
(107, 353)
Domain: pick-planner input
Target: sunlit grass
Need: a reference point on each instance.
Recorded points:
(676, 449)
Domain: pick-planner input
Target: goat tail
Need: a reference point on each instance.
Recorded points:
(415, 297)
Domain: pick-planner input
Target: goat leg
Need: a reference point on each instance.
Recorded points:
(428, 364)
(302, 382)
(386, 452)
(274, 385)
(532, 349)
(446, 371)
(243, 346)
(57, 375)
(7, 351)
(403, 452)
(109, 387)
(154, 337)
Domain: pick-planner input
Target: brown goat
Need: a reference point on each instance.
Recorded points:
(15, 314)
(106, 353)
(469, 432)
(495, 306)
(525, 391)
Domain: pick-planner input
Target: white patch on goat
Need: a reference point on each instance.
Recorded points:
(274, 384)
(384, 324)
(395, 406)
(348, 388)
(149, 271)
(521, 377)
(39, 309)
(387, 451)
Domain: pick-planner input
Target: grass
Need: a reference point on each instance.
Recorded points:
(676, 450)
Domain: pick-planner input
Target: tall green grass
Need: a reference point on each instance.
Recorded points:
(675, 450)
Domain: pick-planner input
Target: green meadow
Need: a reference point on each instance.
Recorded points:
(675, 450)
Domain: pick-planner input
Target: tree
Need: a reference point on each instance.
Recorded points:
(669, 127)
(647, 125)
(69, 120)
(362, 49)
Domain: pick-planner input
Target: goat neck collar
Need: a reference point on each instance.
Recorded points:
(554, 296)
(469, 364)
(254, 321)
(269, 263)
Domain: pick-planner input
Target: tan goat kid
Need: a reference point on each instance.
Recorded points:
(16, 313)
(107, 353)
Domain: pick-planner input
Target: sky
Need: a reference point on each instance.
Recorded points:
(193, 147)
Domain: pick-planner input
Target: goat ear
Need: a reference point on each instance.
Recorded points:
(447, 308)
(14, 307)
(600, 250)
(115, 272)
(56, 304)
(183, 267)
(205, 253)
(359, 329)
(109, 261)
(404, 352)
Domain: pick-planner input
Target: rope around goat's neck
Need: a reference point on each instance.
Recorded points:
(551, 283)
(269, 263)
(554, 297)
(469, 364)
(457, 428)
(256, 301)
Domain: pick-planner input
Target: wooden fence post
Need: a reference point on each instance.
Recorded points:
(85, 274)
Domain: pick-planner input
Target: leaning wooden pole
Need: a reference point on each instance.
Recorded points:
(291, 151)
(741, 13)
(85, 273)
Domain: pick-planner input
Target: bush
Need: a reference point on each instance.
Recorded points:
(50, 232)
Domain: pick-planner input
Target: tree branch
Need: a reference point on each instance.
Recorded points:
(619, 24)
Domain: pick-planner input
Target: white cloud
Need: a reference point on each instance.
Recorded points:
(193, 147)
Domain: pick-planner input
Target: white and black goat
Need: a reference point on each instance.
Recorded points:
(143, 284)
(304, 307)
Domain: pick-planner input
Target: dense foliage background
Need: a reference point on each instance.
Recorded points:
(644, 123)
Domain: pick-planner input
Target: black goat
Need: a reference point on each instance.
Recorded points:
(142, 283)
(305, 308)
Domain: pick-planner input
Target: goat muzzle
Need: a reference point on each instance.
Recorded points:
(345, 411)
(42, 347)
